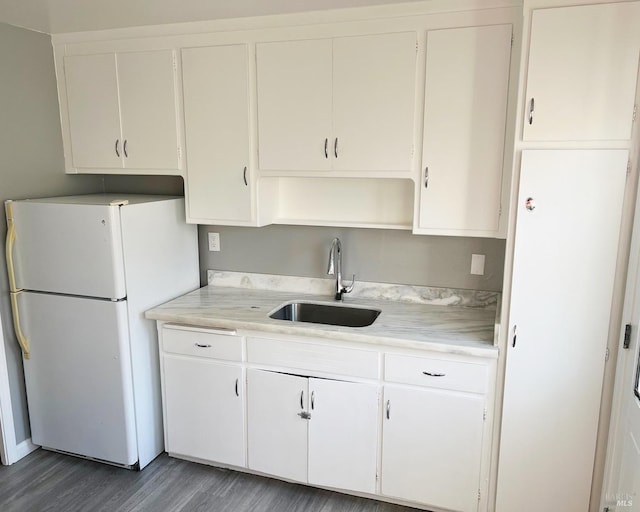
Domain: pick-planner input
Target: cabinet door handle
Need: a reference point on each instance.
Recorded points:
(237, 392)
(117, 148)
(244, 176)
(434, 374)
(335, 147)
(513, 343)
(326, 148)
(426, 177)
(532, 106)
(124, 148)
(202, 345)
(302, 399)
(388, 409)
(313, 400)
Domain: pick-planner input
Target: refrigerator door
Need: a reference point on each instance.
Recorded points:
(69, 248)
(78, 379)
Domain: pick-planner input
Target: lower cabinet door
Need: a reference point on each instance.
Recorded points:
(431, 447)
(343, 434)
(277, 424)
(204, 409)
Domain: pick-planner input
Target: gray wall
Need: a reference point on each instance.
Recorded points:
(378, 255)
(31, 161)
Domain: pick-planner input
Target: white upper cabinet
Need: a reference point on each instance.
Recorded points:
(122, 111)
(374, 83)
(467, 81)
(345, 104)
(294, 105)
(582, 71)
(216, 111)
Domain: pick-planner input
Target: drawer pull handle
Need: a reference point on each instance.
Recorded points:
(326, 148)
(202, 345)
(302, 399)
(335, 147)
(313, 400)
(237, 393)
(433, 374)
(388, 409)
(117, 150)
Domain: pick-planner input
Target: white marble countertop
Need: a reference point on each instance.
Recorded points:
(443, 328)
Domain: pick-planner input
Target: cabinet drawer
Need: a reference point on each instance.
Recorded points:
(436, 373)
(202, 343)
(312, 357)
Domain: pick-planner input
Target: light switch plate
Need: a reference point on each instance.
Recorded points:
(214, 241)
(477, 264)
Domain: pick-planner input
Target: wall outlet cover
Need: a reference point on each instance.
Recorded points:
(214, 241)
(477, 264)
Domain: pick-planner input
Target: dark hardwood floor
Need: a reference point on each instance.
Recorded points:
(47, 481)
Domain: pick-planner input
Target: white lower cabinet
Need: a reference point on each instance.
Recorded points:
(320, 431)
(432, 446)
(317, 412)
(204, 409)
(276, 431)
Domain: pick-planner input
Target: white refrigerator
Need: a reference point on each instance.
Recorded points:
(82, 272)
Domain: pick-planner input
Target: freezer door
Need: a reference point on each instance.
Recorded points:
(69, 248)
(78, 379)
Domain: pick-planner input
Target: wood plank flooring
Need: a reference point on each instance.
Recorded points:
(47, 481)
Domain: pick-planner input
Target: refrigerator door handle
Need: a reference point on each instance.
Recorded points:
(13, 290)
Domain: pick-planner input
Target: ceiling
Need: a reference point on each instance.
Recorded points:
(60, 16)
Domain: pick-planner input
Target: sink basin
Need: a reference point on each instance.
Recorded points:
(318, 313)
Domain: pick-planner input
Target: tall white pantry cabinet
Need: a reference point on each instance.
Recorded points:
(576, 114)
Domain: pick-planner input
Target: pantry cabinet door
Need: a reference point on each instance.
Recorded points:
(277, 424)
(294, 105)
(566, 240)
(374, 84)
(93, 108)
(216, 111)
(148, 107)
(581, 80)
(343, 435)
(467, 80)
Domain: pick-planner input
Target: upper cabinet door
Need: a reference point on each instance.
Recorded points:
(94, 118)
(148, 109)
(294, 105)
(374, 84)
(216, 110)
(467, 80)
(583, 64)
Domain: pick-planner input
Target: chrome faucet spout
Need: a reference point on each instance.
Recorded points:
(335, 268)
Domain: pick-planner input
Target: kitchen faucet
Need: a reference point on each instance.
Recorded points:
(335, 267)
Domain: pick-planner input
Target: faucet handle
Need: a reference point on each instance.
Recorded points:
(348, 289)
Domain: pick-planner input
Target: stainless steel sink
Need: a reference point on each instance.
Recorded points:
(328, 314)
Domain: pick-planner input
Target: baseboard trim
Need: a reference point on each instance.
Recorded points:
(24, 448)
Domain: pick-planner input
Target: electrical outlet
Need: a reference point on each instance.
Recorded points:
(214, 241)
(477, 264)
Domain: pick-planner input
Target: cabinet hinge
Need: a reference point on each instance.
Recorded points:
(635, 113)
(627, 336)
(606, 355)
(479, 494)
(500, 211)
(512, 40)
(628, 167)
(179, 155)
(175, 63)
(484, 415)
